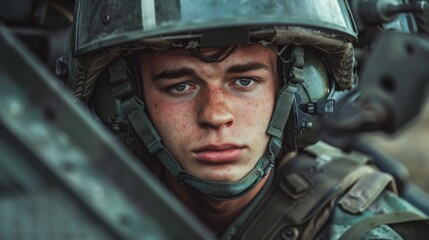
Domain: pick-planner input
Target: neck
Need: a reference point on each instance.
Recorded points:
(216, 214)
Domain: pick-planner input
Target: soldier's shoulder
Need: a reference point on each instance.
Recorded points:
(371, 207)
(375, 222)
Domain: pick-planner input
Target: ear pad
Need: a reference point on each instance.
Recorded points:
(316, 85)
(312, 93)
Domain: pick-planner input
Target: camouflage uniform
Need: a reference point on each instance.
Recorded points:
(321, 194)
(387, 202)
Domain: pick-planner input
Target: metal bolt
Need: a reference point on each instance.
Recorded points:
(289, 233)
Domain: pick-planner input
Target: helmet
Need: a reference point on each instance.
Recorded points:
(312, 39)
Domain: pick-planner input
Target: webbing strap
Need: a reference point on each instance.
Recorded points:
(134, 109)
(230, 190)
(281, 112)
(365, 191)
(359, 229)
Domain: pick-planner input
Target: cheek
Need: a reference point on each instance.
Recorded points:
(158, 110)
(265, 106)
(171, 121)
(257, 112)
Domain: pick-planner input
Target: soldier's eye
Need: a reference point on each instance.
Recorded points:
(244, 81)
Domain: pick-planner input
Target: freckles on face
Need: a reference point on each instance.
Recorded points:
(212, 117)
(168, 119)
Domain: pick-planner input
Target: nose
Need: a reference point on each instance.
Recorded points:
(215, 110)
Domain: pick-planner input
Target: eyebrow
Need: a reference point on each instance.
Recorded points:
(249, 66)
(174, 73)
(185, 71)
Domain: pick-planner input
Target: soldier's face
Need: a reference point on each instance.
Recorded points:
(212, 117)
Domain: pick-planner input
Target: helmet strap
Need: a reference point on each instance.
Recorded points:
(134, 108)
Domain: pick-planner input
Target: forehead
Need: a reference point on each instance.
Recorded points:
(254, 52)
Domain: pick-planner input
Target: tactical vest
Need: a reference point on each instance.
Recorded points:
(308, 187)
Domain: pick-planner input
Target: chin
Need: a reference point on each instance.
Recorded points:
(222, 179)
(223, 176)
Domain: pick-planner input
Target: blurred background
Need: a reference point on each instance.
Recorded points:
(409, 146)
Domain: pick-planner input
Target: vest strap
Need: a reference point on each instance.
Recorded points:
(357, 230)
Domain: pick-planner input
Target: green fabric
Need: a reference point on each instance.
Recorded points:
(230, 231)
(386, 203)
(282, 111)
(288, 204)
(361, 228)
(315, 217)
(134, 108)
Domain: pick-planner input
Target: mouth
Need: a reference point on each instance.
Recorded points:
(217, 154)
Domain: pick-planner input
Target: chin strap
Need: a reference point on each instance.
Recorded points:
(134, 108)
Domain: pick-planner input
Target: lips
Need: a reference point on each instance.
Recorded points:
(216, 154)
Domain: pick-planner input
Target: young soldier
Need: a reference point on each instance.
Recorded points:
(220, 99)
